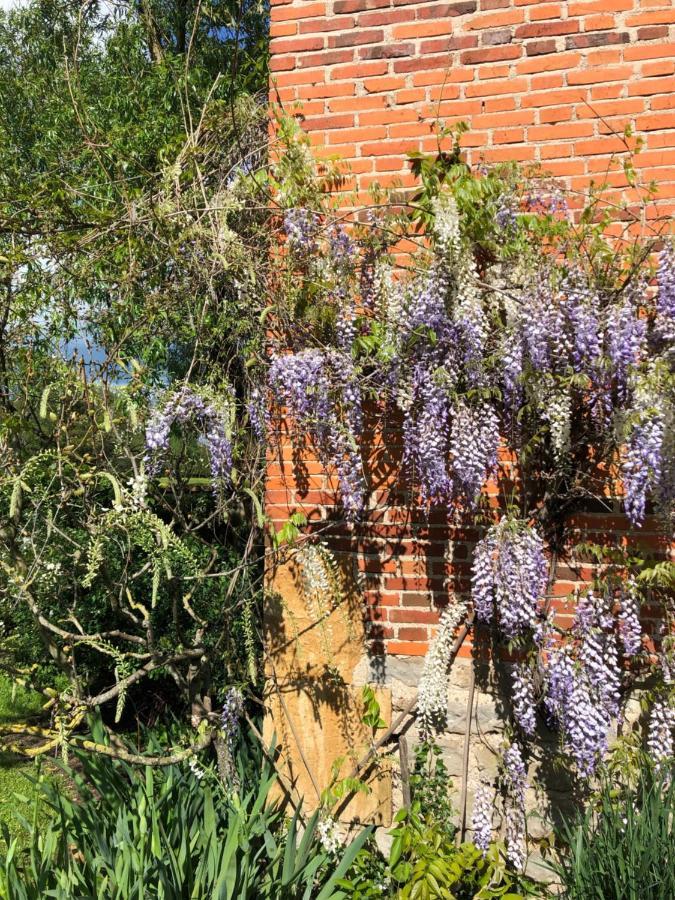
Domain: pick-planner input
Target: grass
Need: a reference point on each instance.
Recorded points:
(16, 705)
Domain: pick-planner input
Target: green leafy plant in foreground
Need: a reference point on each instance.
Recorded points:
(425, 864)
(173, 832)
(623, 846)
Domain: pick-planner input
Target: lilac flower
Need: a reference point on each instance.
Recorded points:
(258, 414)
(301, 225)
(512, 369)
(481, 821)
(573, 705)
(665, 298)
(660, 732)
(186, 406)
(642, 466)
(233, 707)
(510, 569)
(322, 394)
(523, 698)
(630, 629)
(625, 335)
(474, 439)
(582, 312)
(515, 783)
(425, 436)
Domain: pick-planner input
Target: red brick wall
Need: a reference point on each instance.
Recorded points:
(537, 81)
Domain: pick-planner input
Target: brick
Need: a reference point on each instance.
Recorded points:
(283, 29)
(546, 11)
(651, 86)
(327, 58)
(441, 10)
(387, 51)
(406, 648)
(508, 86)
(652, 34)
(306, 11)
(546, 29)
(653, 17)
(412, 633)
(597, 39)
(356, 37)
(537, 48)
(385, 17)
(295, 45)
(493, 38)
(329, 122)
(493, 54)
(496, 20)
(422, 29)
(321, 26)
(562, 132)
(359, 70)
(598, 75)
(549, 63)
(599, 6)
(658, 122)
(384, 84)
(282, 63)
(356, 6)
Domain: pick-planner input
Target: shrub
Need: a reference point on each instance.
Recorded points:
(623, 846)
(172, 832)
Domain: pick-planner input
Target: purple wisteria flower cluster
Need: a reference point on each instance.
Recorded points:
(301, 226)
(321, 392)
(643, 464)
(515, 783)
(184, 407)
(509, 575)
(481, 821)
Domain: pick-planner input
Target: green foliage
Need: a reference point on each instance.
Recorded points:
(371, 715)
(623, 846)
(424, 862)
(172, 832)
(430, 785)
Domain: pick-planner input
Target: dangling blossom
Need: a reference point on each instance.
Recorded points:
(630, 629)
(664, 325)
(301, 226)
(186, 406)
(515, 783)
(474, 439)
(642, 466)
(523, 698)
(322, 393)
(626, 331)
(432, 701)
(582, 312)
(425, 436)
(574, 706)
(660, 731)
(481, 821)
(509, 570)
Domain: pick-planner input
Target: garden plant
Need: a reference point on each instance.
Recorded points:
(175, 288)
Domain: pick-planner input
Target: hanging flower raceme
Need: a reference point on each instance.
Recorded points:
(661, 729)
(515, 783)
(523, 698)
(643, 463)
(301, 226)
(432, 702)
(210, 418)
(481, 821)
(630, 629)
(321, 392)
(474, 440)
(664, 326)
(509, 575)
